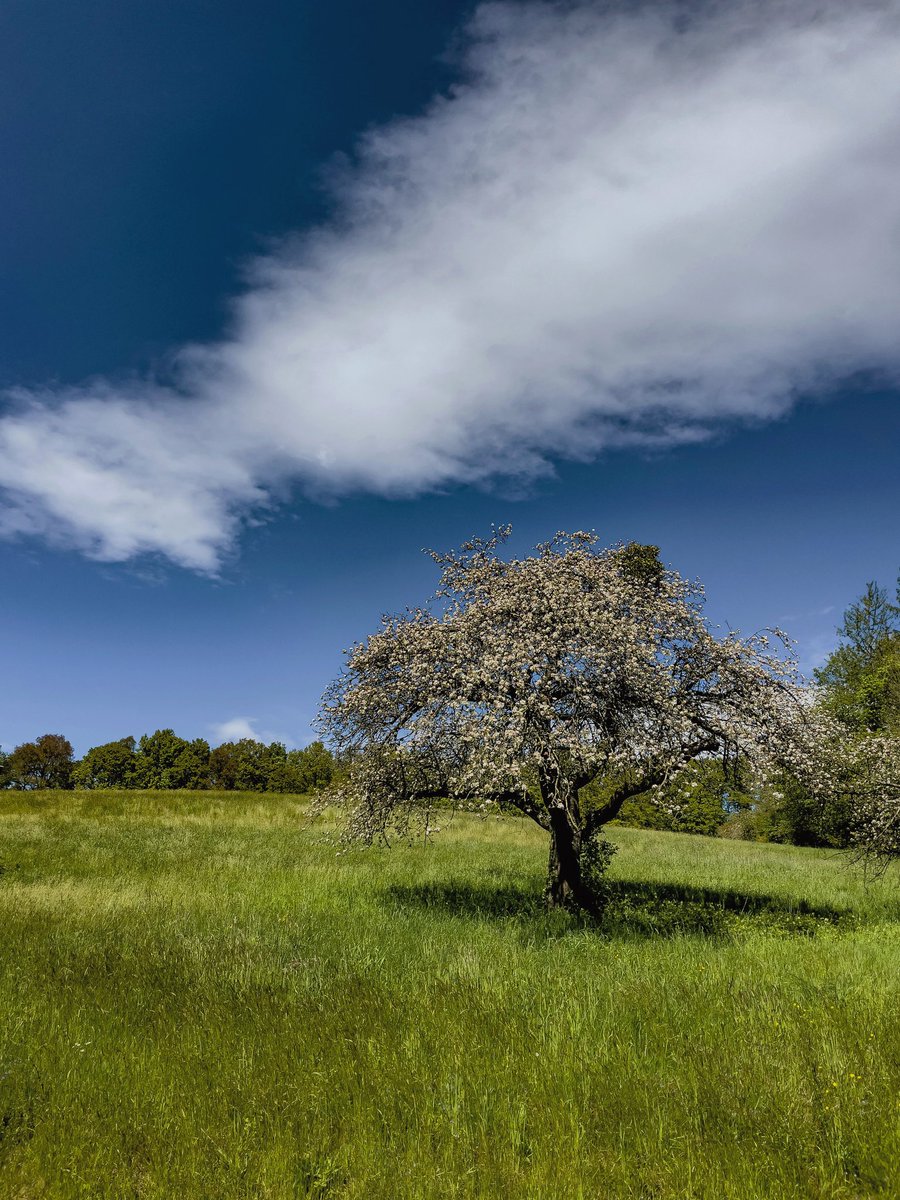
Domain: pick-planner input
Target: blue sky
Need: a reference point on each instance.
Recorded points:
(619, 279)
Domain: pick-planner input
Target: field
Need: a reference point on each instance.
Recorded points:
(201, 998)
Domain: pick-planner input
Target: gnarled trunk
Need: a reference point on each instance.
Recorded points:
(566, 886)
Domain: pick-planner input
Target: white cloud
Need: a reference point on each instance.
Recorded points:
(235, 729)
(621, 228)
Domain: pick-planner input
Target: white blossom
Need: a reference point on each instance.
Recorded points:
(525, 680)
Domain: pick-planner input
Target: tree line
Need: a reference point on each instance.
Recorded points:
(163, 760)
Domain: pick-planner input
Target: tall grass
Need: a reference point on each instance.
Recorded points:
(201, 998)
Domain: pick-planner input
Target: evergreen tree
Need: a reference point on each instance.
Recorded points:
(860, 682)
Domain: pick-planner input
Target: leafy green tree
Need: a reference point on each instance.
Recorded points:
(4, 768)
(859, 691)
(248, 765)
(787, 811)
(860, 683)
(165, 760)
(284, 775)
(259, 765)
(707, 792)
(43, 763)
(224, 762)
(311, 768)
(112, 765)
(697, 800)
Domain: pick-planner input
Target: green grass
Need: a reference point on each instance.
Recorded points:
(201, 998)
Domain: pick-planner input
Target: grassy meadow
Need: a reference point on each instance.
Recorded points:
(199, 997)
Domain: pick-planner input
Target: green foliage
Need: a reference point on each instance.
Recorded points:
(248, 765)
(860, 682)
(596, 856)
(706, 799)
(643, 812)
(112, 765)
(697, 800)
(245, 765)
(199, 999)
(859, 686)
(43, 763)
(642, 564)
(788, 812)
(314, 767)
(707, 792)
(167, 761)
(770, 816)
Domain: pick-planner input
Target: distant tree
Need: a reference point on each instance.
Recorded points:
(4, 768)
(165, 760)
(311, 768)
(246, 765)
(530, 679)
(43, 763)
(112, 765)
(249, 765)
(697, 799)
(223, 766)
(282, 769)
(860, 683)
(25, 766)
(706, 798)
(859, 691)
(788, 811)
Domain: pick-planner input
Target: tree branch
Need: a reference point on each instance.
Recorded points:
(520, 800)
(625, 791)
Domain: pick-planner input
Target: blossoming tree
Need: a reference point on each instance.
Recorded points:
(528, 679)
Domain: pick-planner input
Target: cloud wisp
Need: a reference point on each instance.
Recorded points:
(235, 729)
(619, 228)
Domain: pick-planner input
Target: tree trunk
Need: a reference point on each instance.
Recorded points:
(565, 886)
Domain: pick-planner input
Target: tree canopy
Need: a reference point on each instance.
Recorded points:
(860, 683)
(44, 763)
(112, 765)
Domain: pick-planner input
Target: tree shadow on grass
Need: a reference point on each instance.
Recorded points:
(671, 908)
(634, 909)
